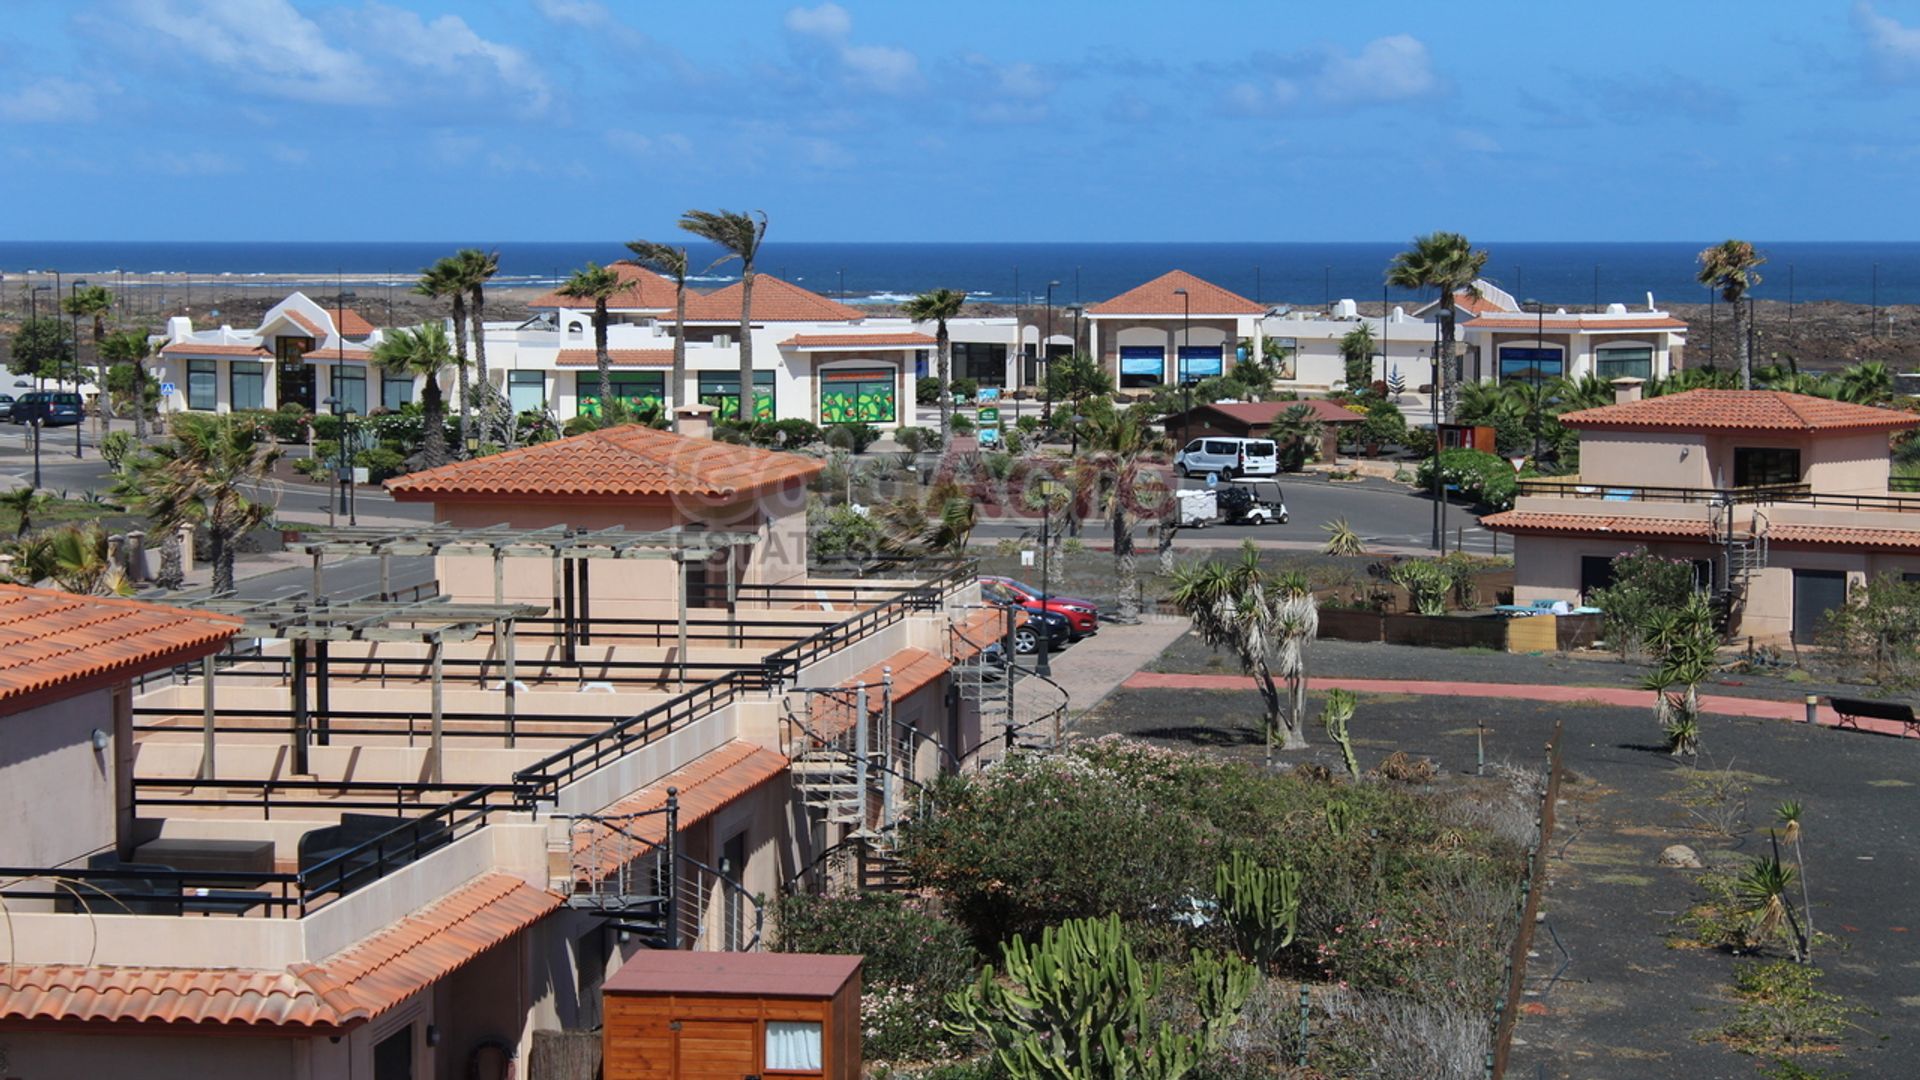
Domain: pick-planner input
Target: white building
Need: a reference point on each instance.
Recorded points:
(300, 352)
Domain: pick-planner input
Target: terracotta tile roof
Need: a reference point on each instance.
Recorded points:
(974, 633)
(1739, 410)
(640, 290)
(188, 348)
(1847, 537)
(624, 461)
(1156, 298)
(705, 785)
(1475, 305)
(1583, 323)
(338, 352)
(617, 358)
(55, 644)
(1532, 521)
(913, 669)
(860, 341)
(757, 974)
(774, 300)
(1254, 413)
(312, 328)
(353, 324)
(348, 988)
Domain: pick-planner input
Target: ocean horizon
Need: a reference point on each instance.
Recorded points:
(1571, 273)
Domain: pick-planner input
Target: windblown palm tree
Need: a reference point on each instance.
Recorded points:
(1120, 474)
(740, 235)
(1296, 431)
(205, 474)
(938, 306)
(422, 353)
(1356, 350)
(941, 522)
(80, 561)
(1447, 262)
(1266, 621)
(93, 302)
(670, 261)
(474, 268)
(445, 280)
(1869, 382)
(1732, 266)
(598, 284)
(23, 501)
(131, 347)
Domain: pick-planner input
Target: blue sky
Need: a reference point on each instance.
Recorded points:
(984, 120)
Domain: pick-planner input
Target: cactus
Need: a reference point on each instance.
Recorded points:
(1339, 710)
(1074, 1007)
(1260, 905)
(1339, 815)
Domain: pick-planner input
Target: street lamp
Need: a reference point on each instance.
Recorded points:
(1540, 343)
(1044, 666)
(1180, 362)
(1046, 362)
(33, 299)
(73, 293)
(345, 411)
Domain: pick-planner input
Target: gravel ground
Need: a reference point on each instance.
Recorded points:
(1634, 999)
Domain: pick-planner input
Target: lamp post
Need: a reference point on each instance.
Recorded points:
(1046, 362)
(73, 293)
(1043, 665)
(36, 454)
(1180, 362)
(344, 459)
(33, 299)
(1540, 342)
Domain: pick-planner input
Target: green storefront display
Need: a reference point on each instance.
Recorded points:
(858, 396)
(637, 389)
(721, 390)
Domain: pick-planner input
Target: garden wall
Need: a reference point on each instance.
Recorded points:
(1535, 633)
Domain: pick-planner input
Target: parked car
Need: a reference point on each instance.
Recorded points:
(23, 384)
(6, 405)
(1082, 614)
(1026, 633)
(1229, 457)
(53, 408)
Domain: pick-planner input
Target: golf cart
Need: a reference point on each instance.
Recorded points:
(1251, 501)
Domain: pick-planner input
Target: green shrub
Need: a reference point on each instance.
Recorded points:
(1782, 1007)
(328, 451)
(917, 439)
(840, 532)
(380, 463)
(926, 391)
(903, 945)
(855, 437)
(325, 426)
(962, 424)
(964, 388)
(1487, 479)
(798, 433)
(114, 448)
(1644, 588)
(287, 423)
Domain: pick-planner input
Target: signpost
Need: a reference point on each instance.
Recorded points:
(988, 415)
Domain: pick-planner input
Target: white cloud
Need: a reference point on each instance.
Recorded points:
(829, 20)
(52, 100)
(1260, 98)
(236, 36)
(1893, 47)
(827, 31)
(1393, 68)
(287, 154)
(450, 51)
(574, 12)
(670, 144)
(882, 67)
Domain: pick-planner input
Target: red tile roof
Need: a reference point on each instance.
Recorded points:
(338, 352)
(346, 989)
(754, 974)
(617, 358)
(774, 300)
(973, 634)
(312, 328)
(352, 323)
(1530, 521)
(188, 348)
(55, 644)
(913, 669)
(640, 290)
(1847, 537)
(1584, 323)
(1256, 413)
(704, 786)
(1475, 305)
(860, 341)
(624, 461)
(1156, 297)
(1739, 410)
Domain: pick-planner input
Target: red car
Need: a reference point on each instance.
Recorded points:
(1083, 616)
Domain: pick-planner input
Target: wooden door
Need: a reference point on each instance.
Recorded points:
(716, 1050)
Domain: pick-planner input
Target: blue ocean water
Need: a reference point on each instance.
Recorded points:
(1570, 273)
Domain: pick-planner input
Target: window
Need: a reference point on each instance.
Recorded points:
(721, 389)
(980, 361)
(1222, 446)
(856, 396)
(1596, 572)
(393, 1056)
(395, 390)
(1142, 365)
(247, 384)
(527, 391)
(1624, 363)
(638, 389)
(203, 378)
(1765, 465)
(1199, 362)
(793, 1046)
(350, 388)
(1530, 365)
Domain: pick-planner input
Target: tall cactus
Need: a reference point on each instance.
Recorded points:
(1261, 906)
(1074, 1007)
(1339, 710)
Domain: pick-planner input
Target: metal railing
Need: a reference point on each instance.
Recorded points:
(397, 797)
(1575, 488)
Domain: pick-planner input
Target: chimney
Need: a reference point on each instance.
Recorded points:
(694, 421)
(1626, 388)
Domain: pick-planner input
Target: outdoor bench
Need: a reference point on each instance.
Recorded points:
(1852, 710)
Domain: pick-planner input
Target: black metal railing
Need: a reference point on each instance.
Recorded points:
(399, 846)
(397, 797)
(1579, 489)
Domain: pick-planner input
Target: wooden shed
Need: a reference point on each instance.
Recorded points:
(671, 1015)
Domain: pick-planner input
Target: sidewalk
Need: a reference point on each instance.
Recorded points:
(1758, 708)
(1099, 665)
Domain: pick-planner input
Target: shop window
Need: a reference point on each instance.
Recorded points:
(395, 391)
(721, 389)
(1199, 362)
(637, 389)
(350, 389)
(858, 396)
(247, 384)
(793, 1046)
(1530, 365)
(1142, 365)
(527, 391)
(1765, 465)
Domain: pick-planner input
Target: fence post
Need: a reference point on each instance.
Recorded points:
(673, 868)
(1302, 1059)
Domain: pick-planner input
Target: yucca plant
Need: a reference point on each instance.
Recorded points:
(1338, 710)
(1791, 814)
(1342, 539)
(1762, 892)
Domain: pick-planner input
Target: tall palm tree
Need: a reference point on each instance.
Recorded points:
(1122, 452)
(80, 561)
(740, 235)
(1356, 349)
(132, 348)
(423, 353)
(670, 261)
(444, 280)
(93, 302)
(1732, 266)
(1869, 382)
(598, 284)
(1266, 620)
(205, 474)
(474, 268)
(1447, 262)
(1296, 431)
(937, 306)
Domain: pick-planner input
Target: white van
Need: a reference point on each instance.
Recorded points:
(1229, 457)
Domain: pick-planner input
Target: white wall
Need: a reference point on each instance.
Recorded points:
(56, 790)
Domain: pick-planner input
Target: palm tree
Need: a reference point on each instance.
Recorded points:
(1762, 890)
(131, 347)
(93, 301)
(474, 268)
(444, 280)
(1447, 262)
(670, 261)
(80, 561)
(203, 475)
(1122, 452)
(1732, 266)
(1867, 383)
(598, 284)
(1297, 431)
(423, 353)
(938, 306)
(23, 501)
(1265, 620)
(941, 523)
(740, 235)
(1356, 349)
